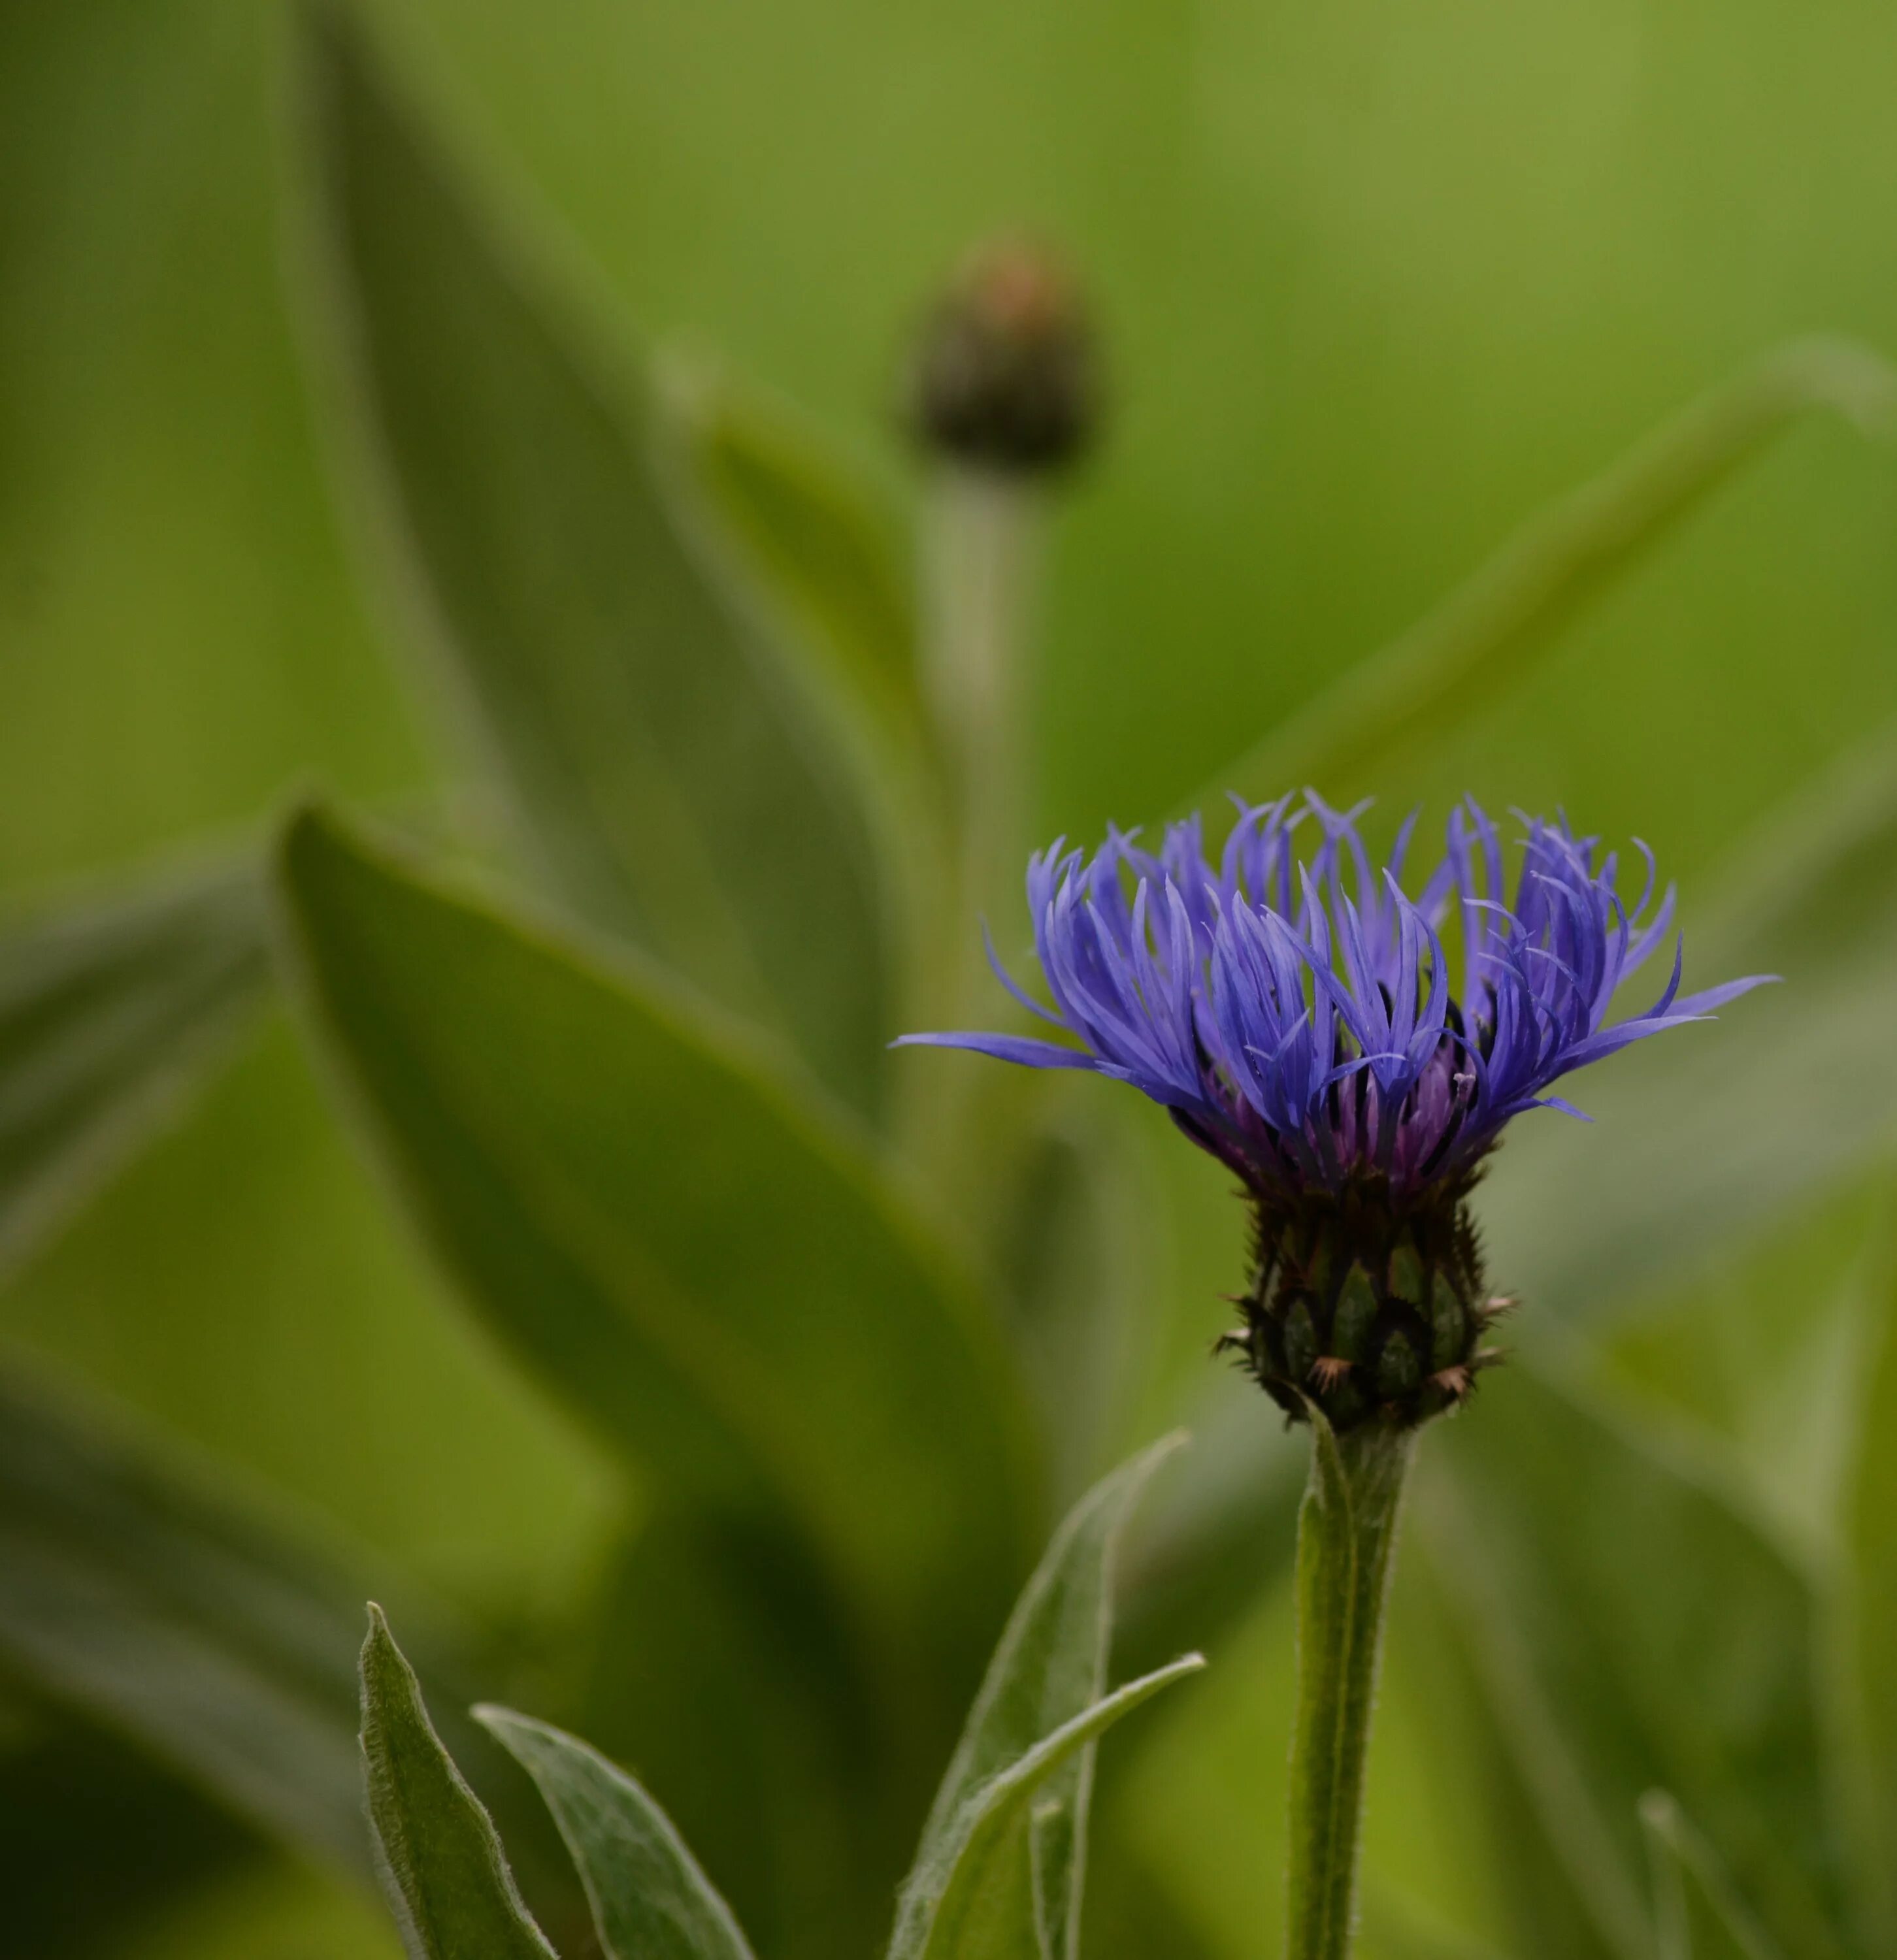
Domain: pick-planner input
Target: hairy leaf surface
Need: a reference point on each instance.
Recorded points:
(442, 1862)
(971, 1896)
(650, 1900)
(1051, 1665)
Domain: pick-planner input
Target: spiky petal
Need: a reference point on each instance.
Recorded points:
(1296, 1014)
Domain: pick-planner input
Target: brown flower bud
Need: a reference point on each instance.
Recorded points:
(1004, 373)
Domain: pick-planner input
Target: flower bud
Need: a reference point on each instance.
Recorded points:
(1364, 1307)
(1004, 376)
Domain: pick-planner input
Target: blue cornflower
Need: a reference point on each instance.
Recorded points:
(1296, 1016)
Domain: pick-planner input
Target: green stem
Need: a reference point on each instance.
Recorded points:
(982, 537)
(1346, 1541)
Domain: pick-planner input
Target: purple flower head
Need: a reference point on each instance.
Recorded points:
(1291, 1004)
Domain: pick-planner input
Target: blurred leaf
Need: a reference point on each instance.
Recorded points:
(1221, 1535)
(720, 1664)
(1636, 1632)
(220, 1641)
(1075, 1247)
(971, 1893)
(650, 1900)
(66, 1790)
(724, 1288)
(1869, 1507)
(270, 1909)
(1757, 1382)
(1134, 1914)
(1510, 610)
(1517, 1815)
(1699, 1916)
(808, 532)
(108, 1013)
(224, 1648)
(1051, 1665)
(442, 1864)
(656, 762)
(1717, 1131)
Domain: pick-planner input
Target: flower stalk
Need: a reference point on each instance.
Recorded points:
(1291, 1005)
(1346, 1553)
(982, 540)
(1002, 399)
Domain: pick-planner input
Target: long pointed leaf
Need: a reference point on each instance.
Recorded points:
(656, 766)
(970, 1899)
(724, 1288)
(1656, 1635)
(224, 1649)
(723, 1668)
(1869, 1730)
(650, 1900)
(1694, 1168)
(1701, 1917)
(443, 1867)
(1525, 1818)
(68, 1791)
(1513, 607)
(1050, 1665)
(800, 525)
(218, 1640)
(108, 1013)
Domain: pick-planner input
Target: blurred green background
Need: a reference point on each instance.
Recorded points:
(1377, 281)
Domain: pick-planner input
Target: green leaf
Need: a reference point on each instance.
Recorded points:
(650, 1900)
(1637, 1631)
(67, 1790)
(725, 1287)
(217, 1639)
(970, 1896)
(1701, 1917)
(222, 1646)
(1203, 1556)
(1524, 1823)
(721, 1664)
(655, 758)
(1488, 630)
(1868, 1729)
(443, 1867)
(804, 529)
(109, 1012)
(1050, 1666)
(1690, 1169)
